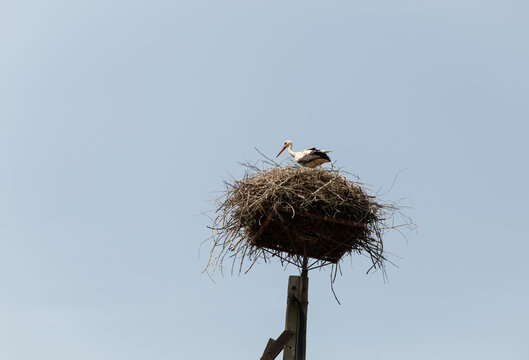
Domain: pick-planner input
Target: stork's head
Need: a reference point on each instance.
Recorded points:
(285, 145)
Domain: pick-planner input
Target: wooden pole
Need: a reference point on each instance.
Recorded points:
(292, 318)
(296, 316)
(304, 304)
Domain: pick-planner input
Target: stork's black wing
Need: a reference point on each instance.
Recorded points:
(313, 155)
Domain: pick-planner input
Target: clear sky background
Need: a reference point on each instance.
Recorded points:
(119, 121)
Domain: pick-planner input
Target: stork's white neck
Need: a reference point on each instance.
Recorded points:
(290, 150)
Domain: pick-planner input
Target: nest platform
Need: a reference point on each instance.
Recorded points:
(290, 211)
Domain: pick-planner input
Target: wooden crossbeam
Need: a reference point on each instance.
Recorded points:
(274, 347)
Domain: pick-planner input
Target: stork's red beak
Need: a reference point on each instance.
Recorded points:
(283, 148)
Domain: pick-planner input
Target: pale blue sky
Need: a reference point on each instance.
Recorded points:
(119, 121)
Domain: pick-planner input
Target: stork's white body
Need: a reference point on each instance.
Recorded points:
(308, 157)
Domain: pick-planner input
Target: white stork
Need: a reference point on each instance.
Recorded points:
(308, 157)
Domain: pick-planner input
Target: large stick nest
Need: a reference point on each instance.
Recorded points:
(290, 211)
